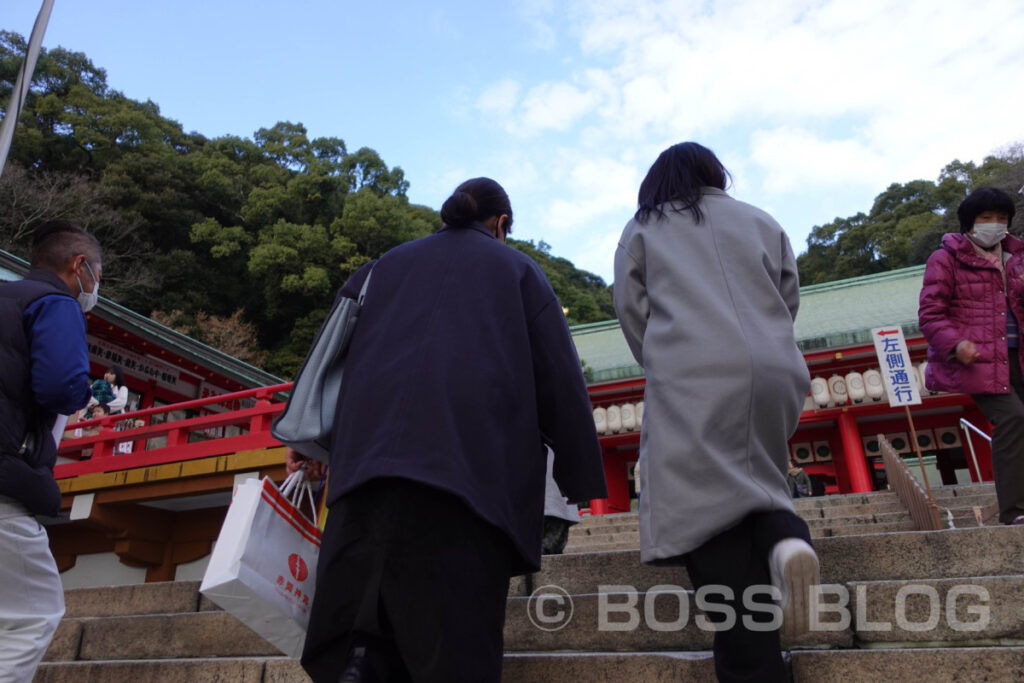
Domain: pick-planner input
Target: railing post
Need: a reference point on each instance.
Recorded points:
(920, 505)
(260, 424)
(104, 448)
(174, 437)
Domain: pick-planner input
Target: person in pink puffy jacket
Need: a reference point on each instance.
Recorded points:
(970, 305)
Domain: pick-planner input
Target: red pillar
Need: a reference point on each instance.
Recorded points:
(853, 455)
(616, 476)
(618, 486)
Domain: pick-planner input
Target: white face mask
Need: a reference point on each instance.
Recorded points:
(87, 300)
(988, 234)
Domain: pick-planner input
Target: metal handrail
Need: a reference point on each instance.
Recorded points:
(968, 428)
(909, 490)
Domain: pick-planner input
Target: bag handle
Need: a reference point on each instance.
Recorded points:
(296, 489)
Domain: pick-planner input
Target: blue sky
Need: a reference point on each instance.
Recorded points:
(814, 105)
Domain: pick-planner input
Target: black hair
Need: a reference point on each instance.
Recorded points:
(677, 175)
(56, 242)
(981, 200)
(118, 375)
(475, 201)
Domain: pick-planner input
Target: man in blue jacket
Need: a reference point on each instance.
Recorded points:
(460, 369)
(45, 364)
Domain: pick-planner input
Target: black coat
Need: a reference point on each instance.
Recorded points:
(461, 365)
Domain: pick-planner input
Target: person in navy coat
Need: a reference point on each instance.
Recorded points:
(460, 370)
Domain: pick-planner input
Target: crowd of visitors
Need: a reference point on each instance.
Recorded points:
(456, 460)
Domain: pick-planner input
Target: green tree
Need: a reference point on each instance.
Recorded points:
(907, 221)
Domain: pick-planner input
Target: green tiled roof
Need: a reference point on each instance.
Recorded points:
(842, 313)
(832, 315)
(603, 349)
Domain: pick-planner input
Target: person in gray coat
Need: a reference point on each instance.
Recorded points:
(706, 292)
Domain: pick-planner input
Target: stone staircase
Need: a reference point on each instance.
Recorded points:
(613, 619)
(855, 513)
(958, 503)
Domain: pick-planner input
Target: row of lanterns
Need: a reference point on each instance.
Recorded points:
(837, 390)
(856, 387)
(625, 417)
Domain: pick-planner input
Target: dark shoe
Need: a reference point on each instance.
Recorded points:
(1019, 521)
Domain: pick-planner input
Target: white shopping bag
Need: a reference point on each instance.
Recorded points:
(263, 567)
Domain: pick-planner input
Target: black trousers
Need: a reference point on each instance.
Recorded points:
(738, 558)
(411, 586)
(1006, 413)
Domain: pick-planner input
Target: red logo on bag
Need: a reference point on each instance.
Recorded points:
(297, 566)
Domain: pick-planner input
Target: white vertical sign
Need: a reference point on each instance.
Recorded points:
(894, 362)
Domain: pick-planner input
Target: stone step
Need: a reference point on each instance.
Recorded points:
(813, 514)
(617, 518)
(988, 551)
(834, 511)
(986, 488)
(601, 548)
(819, 528)
(937, 665)
(622, 621)
(518, 668)
(934, 665)
(956, 610)
(144, 598)
(964, 519)
(641, 667)
(613, 618)
(965, 498)
(157, 636)
(846, 499)
(876, 528)
(864, 614)
(879, 518)
(582, 531)
(596, 544)
(619, 537)
(190, 670)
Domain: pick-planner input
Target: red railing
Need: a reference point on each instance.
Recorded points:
(172, 440)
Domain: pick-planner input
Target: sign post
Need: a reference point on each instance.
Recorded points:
(894, 361)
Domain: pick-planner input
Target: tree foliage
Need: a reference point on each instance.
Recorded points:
(244, 241)
(907, 221)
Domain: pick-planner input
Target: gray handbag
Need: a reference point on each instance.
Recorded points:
(308, 418)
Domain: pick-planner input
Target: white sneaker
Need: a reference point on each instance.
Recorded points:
(794, 570)
(1019, 520)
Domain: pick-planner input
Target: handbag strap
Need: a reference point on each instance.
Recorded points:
(366, 284)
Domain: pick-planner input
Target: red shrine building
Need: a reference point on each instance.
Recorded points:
(144, 493)
(836, 441)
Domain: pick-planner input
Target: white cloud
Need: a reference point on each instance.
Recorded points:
(798, 96)
(797, 158)
(500, 99)
(538, 14)
(595, 187)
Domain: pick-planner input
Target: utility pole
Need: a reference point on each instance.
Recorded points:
(20, 92)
